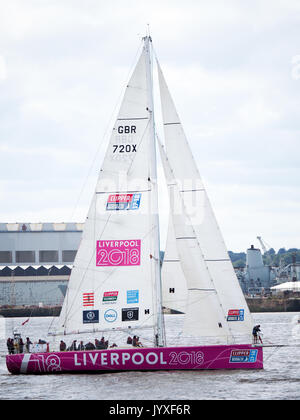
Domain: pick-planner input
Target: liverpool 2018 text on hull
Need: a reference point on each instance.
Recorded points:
(163, 358)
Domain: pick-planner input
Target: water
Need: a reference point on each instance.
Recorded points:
(279, 380)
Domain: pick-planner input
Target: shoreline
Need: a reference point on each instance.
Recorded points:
(270, 304)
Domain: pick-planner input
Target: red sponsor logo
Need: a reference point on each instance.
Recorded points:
(88, 299)
(233, 312)
(120, 198)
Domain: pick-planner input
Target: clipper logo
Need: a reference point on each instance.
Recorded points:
(243, 356)
(235, 315)
(118, 253)
(123, 201)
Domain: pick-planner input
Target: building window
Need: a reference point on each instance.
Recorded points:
(68, 256)
(25, 256)
(5, 257)
(48, 256)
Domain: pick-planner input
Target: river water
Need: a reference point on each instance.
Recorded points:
(279, 380)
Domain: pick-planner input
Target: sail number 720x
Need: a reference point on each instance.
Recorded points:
(124, 148)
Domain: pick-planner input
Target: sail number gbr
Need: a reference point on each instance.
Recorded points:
(125, 134)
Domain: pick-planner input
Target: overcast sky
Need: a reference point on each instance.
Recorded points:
(233, 68)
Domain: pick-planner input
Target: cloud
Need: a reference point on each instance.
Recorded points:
(232, 69)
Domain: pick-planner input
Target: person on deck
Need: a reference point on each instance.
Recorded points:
(255, 332)
(10, 346)
(81, 346)
(73, 346)
(27, 345)
(21, 345)
(89, 346)
(62, 346)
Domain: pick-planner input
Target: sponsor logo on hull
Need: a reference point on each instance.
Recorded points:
(243, 356)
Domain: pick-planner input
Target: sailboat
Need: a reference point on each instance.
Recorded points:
(117, 284)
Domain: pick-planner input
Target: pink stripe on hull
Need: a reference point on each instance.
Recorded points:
(167, 358)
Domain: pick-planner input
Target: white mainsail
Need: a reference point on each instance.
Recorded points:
(204, 258)
(113, 284)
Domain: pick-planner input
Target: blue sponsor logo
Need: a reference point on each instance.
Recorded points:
(132, 296)
(90, 317)
(110, 315)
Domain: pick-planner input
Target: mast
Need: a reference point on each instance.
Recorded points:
(159, 333)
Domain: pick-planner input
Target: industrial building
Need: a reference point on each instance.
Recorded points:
(36, 261)
(256, 278)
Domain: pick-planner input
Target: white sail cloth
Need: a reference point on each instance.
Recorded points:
(174, 288)
(113, 278)
(216, 305)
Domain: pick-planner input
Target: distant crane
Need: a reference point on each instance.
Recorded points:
(263, 245)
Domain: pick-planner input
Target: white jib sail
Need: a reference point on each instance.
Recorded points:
(204, 315)
(204, 230)
(174, 288)
(112, 284)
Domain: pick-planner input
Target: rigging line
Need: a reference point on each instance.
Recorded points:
(105, 133)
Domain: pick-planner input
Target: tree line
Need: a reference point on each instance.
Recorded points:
(282, 257)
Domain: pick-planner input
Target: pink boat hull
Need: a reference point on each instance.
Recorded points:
(166, 358)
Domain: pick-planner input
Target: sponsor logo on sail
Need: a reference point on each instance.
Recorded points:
(243, 356)
(88, 299)
(110, 297)
(110, 315)
(111, 253)
(130, 314)
(123, 201)
(235, 315)
(132, 296)
(90, 317)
